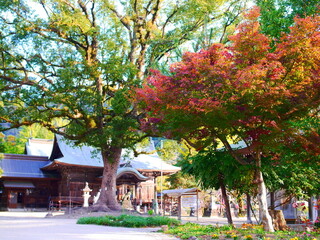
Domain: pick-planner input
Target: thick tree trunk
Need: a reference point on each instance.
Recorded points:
(240, 202)
(310, 208)
(108, 199)
(262, 198)
(278, 220)
(226, 201)
(248, 208)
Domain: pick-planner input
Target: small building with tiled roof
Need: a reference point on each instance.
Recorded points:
(23, 184)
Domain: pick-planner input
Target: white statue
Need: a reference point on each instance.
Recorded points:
(96, 197)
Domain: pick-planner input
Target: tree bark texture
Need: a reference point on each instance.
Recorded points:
(108, 199)
(279, 223)
(226, 201)
(248, 208)
(262, 198)
(310, 209)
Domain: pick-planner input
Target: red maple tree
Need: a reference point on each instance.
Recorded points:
(244, 91)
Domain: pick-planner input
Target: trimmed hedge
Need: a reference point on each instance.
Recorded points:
(129, 221)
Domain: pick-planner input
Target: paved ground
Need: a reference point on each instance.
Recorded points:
(34, 226)
(24, 225)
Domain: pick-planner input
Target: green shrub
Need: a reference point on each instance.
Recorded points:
(192, 229)
(317, 223)
(159, 220)
(229, 232)
(129, 221)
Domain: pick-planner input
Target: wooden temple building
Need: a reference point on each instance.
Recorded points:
(54, 172)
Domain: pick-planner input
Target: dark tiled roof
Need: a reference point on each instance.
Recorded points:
(15, 165)
(66, 152)
(18, 184)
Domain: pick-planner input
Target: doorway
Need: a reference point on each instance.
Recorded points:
(16, 198)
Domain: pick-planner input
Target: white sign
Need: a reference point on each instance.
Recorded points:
(189, 201)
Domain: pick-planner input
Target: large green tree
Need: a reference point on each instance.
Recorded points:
(11, 144)
(242, 92)
(278, 15)
(16, 143)
(76, 60)
(217, 169)
(295, 162)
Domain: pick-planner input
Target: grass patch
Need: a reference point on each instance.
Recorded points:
(129, 221)
(246, 232)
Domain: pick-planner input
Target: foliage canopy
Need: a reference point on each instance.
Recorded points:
(78, 60)
(242, 92)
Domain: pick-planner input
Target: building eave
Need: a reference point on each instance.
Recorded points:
(56, 164)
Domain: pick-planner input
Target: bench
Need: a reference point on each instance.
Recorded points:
(291, 220)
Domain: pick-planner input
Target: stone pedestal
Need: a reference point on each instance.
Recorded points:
(126, 201)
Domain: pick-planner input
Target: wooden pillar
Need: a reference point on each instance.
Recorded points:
(155, 196)
(272, 200)
(123, 191)
(7, 198)
(179, 208)
(140, 194)
(155, 187)
(134, 191)
(65, 182)
(197, 205)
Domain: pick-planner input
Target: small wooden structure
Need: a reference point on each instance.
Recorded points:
(188, 197)
(23, 184)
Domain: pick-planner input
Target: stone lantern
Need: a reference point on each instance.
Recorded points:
(86, 195)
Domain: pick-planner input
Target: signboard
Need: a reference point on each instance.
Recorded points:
(189, 201)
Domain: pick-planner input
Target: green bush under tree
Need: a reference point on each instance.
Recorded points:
(129, 221)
